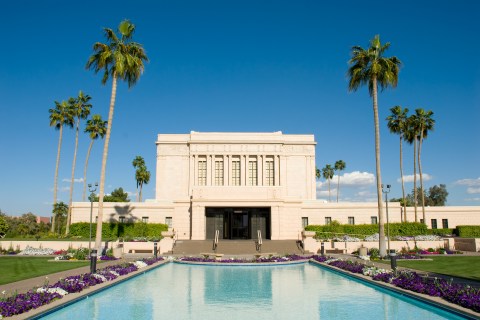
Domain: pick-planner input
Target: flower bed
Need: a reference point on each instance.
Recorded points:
(462, 295)
(272, 259)
(37, 297)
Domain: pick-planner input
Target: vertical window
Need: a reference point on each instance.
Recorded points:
(374, 219)
(122, 219)
(434, 223)
(202, 172)
(168, 222)
(145, 219)
(269, 172)
(445, 223)
(219, 173)
(351, 220)
(252, 173)
(304, 222)
(328, 220)
(421, 221)
(236, 172)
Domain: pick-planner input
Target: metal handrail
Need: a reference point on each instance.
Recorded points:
(259, 242)
(215, 240)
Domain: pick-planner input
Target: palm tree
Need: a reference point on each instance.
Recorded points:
(339, 166)
(425, 124)
(120, 58)
(59, 117)
(142, 175)
(80, 109)
(411, 136)
(372, 68)
(96, 128)
(327, 173)
(60, 210)
(397, 123)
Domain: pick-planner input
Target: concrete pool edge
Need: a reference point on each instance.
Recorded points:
(434, 301)
(75, 297)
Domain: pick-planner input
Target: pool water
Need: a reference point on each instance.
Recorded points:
(301, 291)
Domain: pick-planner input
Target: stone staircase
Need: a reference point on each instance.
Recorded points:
(235, 247)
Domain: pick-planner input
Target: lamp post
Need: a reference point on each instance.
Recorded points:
(386, 191)
(91, 189)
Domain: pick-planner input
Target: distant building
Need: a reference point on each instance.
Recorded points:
(242, 183)
(45, 220)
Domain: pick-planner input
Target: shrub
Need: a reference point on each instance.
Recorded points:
(396, 229)
(114, 230)
(469, 231)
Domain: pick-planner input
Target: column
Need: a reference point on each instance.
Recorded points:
(261, 182)
(276, 166)
(243, 170)
(226, 170)
(195, 170)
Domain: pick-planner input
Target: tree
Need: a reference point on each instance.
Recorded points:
(119, 58)
(59, 117)
(425, 123)
(96, 128)
(3, 226)
(117, 195)
(142, 175)
(437, 195)
(80, 107)
(327, 173)
(27, 224)
(397, 123)
(369, 67)
(60, 210)
(339, 166)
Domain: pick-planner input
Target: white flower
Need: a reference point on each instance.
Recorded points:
(100, 277)
(140, 264)
(60, 291)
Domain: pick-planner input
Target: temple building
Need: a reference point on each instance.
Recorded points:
(245, 183)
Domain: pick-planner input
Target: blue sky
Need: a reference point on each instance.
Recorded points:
(255, 66)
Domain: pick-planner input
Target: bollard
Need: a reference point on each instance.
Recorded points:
(155, 250)
(93, 261)
(393, 261)
(322, 249)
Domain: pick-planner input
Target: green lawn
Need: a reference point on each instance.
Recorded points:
(21, 268)
(457, 266)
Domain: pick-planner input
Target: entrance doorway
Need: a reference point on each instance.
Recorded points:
(237, 223)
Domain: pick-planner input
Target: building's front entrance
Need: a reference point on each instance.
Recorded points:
(237, 223)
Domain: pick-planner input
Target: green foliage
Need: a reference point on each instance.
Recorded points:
(374, 253)
(396, 229)
(3, 226)
(442, 232)
(469, 231)
(436, 196)
(115, 230)
(117, 195)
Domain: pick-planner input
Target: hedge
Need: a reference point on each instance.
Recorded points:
(469, 231)
(119, 230)
(395, 229)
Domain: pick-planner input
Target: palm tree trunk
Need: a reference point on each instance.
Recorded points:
(140, 194)
(55, 181)
(420, 173)
(381, 219)
(415, 176)
(403, 184)
(72, 180)
(338, 186)
(85, 171)
(329, 198)
(101, 193)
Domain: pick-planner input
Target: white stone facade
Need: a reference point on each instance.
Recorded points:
(239, 183)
